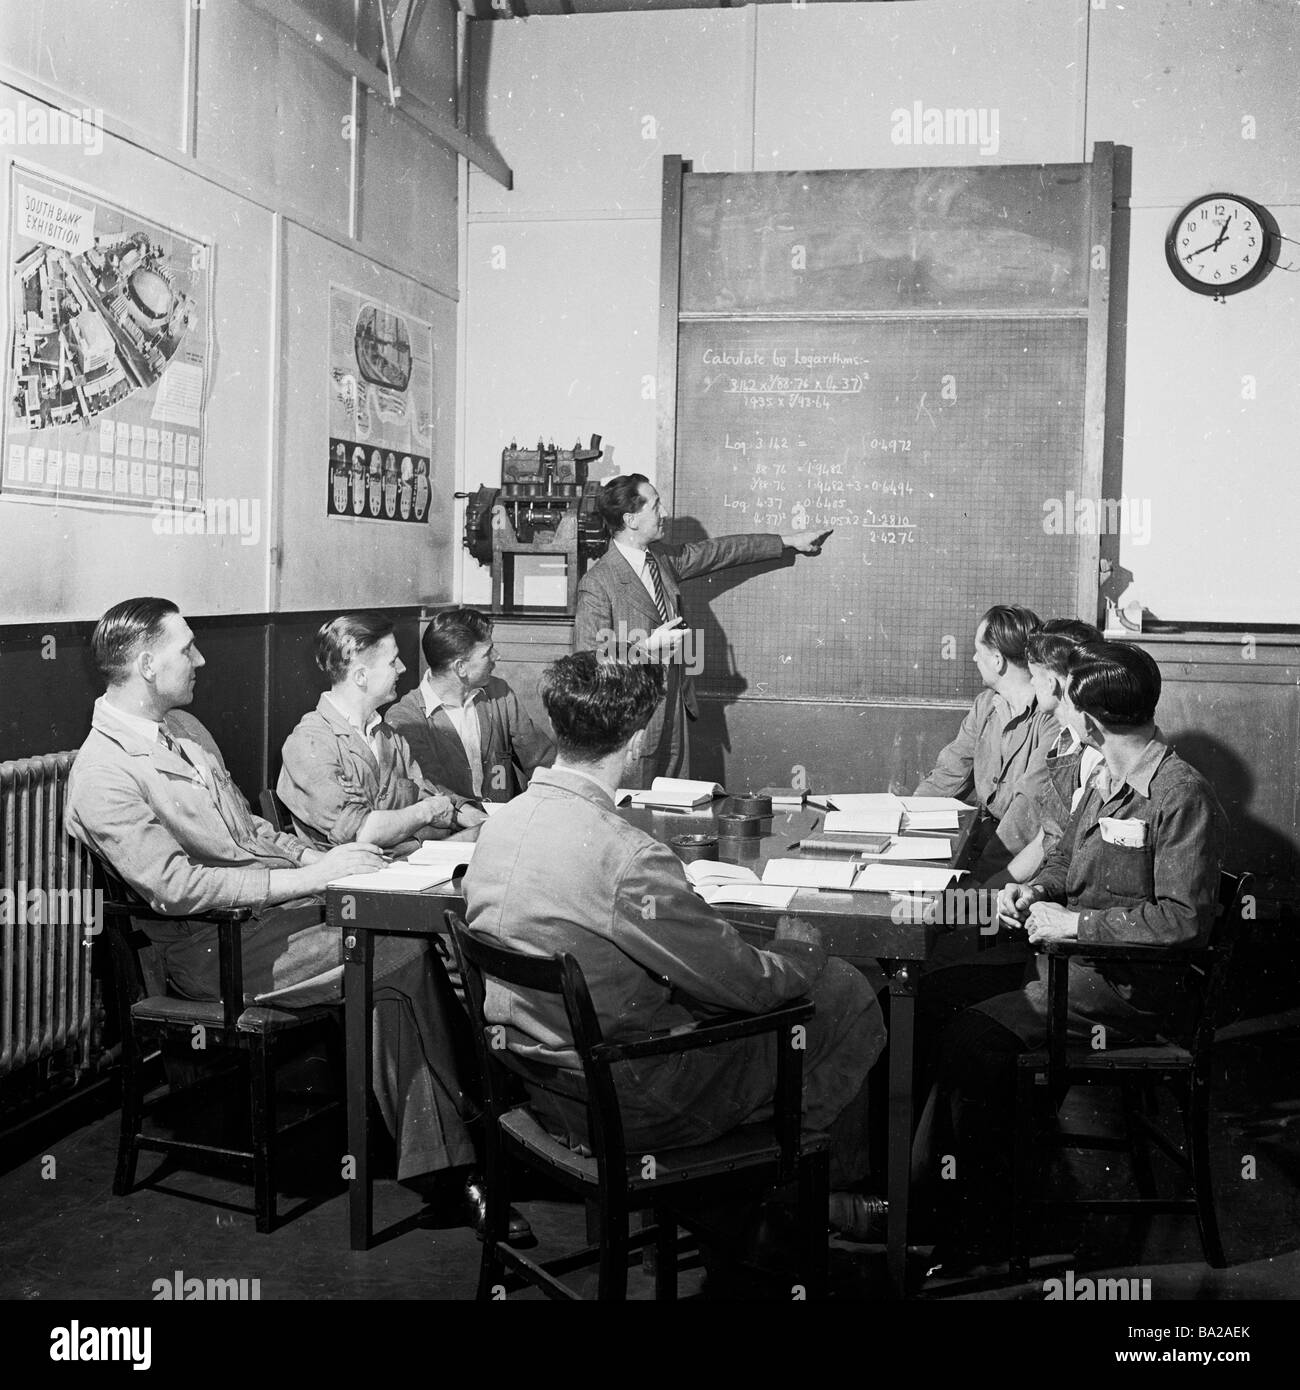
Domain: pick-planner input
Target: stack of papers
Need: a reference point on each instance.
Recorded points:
(451, 855)
(670, 794)
(788, 798)
(905, 878)
(931, 812)
(810, 873)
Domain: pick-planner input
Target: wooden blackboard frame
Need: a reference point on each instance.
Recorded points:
(1102, 435)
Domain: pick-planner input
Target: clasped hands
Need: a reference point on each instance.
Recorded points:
(1022, 904)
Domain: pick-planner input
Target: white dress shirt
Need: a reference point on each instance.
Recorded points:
(153, 731)
(636, 558)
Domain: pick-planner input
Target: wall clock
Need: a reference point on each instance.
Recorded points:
(1221, 244)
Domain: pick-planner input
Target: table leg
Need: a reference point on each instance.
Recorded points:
(358, 980)
(902, 1008)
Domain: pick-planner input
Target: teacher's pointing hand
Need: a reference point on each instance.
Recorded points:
(805, 542)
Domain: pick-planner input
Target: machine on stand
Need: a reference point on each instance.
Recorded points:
(545, 506)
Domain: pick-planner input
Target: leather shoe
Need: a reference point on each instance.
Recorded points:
(518, 1231)
(859, 1218)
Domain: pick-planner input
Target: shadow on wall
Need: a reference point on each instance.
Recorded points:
(1252, 844)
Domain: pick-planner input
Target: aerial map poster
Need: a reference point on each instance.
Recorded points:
(108, 352)
(380, 411)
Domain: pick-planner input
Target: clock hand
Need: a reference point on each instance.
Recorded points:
(1209, 246)
(1224, 231)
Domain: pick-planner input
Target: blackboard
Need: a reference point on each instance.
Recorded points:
(915, 357)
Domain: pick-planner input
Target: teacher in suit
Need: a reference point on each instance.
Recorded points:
(630, 608)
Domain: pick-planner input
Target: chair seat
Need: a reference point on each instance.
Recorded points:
(750, 1146)
(209, 1013)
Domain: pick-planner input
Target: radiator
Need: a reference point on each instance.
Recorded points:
(48, 919)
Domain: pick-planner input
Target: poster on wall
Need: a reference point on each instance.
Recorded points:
(107, 354)
(380, 411)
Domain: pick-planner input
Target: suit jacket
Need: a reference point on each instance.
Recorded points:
(507, 735)
(615, 610)
(331, 780)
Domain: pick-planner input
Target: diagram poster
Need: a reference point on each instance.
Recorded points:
(380, 411)
(108, 352)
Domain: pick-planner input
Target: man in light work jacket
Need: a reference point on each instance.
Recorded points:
(630, 608)
(559, 870)
(150, 793)
(465, 726)
(1006, 735)
(346, 774)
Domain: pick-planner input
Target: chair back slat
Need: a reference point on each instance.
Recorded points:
(1225, 937)
(560, 975)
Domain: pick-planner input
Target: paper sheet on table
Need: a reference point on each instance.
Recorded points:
(933, 803)
(883, 803)
(809, 873)
(883, 822)
(905, 878)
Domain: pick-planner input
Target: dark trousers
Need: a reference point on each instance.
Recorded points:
(962, 1155)
(422, 1042)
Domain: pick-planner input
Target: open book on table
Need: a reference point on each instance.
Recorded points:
(670, 794)
(719, 883)
(434, 865)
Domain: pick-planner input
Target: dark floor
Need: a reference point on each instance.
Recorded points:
(65, 1236)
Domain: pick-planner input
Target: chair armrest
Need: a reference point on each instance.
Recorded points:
(1128, 951)
(725, 1030)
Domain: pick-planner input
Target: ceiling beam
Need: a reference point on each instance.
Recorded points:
(343, 56)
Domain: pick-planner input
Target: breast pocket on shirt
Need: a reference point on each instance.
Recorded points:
(1126, 872)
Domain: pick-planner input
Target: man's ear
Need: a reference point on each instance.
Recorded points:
(636, 744)
(144, 665)
(1092, 727)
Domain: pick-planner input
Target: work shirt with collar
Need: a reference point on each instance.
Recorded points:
(184, 845)
(464, 720)
(1044, 801)
(1164, 893)
(332, 778)
(507, 736)
(994, 750)
(368, 730)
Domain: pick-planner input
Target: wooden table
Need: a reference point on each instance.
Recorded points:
(859, 927)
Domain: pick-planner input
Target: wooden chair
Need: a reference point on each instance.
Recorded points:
(274, 811)
(1183, 1066)
(753, 1158)
(150, 1017)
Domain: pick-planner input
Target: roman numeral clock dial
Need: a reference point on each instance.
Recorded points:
(1222, 244)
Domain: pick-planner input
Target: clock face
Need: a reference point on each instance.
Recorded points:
(1221, 244)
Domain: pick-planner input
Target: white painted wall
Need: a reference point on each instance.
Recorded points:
(562, 273)
(269, 181)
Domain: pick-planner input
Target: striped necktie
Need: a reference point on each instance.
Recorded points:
(661, 603)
